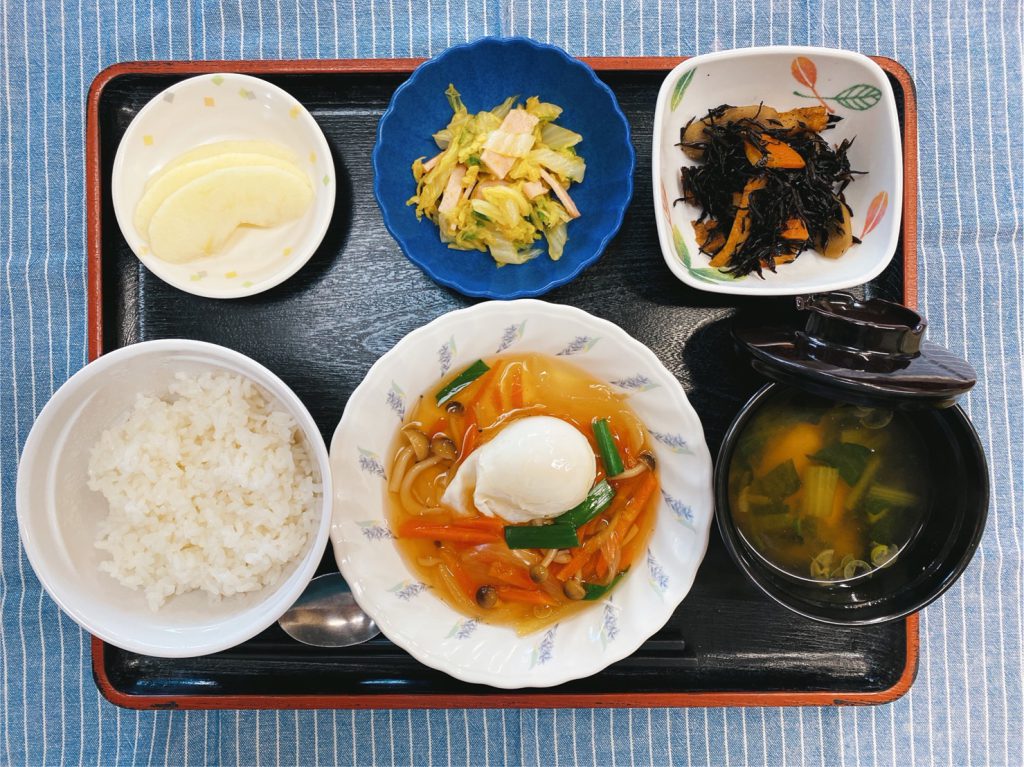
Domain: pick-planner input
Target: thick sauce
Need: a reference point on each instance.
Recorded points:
(517, 386)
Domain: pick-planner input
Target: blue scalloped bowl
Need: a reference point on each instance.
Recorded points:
(486, 71)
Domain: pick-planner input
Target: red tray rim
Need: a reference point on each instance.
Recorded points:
(496, 699)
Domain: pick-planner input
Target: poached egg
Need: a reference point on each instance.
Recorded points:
(534, 468)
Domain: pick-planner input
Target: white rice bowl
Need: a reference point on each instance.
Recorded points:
(270, 490)
(210, 488)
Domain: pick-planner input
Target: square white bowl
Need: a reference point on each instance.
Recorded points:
(785, 77)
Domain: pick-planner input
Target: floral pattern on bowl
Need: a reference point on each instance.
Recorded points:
(416, 619)
(785, 77)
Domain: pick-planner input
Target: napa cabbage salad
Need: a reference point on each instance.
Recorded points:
(501, 180)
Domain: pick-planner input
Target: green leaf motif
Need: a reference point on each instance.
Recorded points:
(708, 274)
(681, 85)
(680, 245)
(859, 97)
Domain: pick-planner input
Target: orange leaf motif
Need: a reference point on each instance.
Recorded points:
(804, 71)
(876, 210)
(664, 200)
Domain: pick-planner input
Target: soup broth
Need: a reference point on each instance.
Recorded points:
(827, 491)
(466, 557)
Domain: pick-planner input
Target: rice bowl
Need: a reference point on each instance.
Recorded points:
(60, 518)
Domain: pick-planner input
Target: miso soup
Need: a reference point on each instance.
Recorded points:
(825, 490)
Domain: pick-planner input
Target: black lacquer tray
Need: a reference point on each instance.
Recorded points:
(322, 329)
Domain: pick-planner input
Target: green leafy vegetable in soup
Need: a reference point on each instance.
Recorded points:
(501, 180)
(825, 490)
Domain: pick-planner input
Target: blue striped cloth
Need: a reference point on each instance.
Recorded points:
(965, 707)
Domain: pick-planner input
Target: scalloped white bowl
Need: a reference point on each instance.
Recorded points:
(849, 83)
(415, 618)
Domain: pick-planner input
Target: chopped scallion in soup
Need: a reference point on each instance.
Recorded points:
(826, 490)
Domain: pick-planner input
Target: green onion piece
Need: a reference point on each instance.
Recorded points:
(899, 499)
(743, 500)
(595, 591)
(881, 555)
(820, 484)
(855, 567)
(606, 446)
(597, 500)
(867, 476)
(541, 537)
(461, 381)
(821, 565)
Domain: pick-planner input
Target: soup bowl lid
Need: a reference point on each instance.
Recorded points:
(864, 351)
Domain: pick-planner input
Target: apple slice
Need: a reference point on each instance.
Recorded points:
(172, 180)
(197, 220)
(203, 151)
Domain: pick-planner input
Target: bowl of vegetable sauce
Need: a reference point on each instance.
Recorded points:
(849, 514)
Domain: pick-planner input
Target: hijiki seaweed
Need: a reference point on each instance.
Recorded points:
(768, 187)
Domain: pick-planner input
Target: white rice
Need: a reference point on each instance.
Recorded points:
(210, 488)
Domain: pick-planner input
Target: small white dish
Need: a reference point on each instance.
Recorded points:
(785, 77)
(226, 107)
(58, 515)
(406, 610)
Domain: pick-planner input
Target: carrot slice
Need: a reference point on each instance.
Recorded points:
(514, 576)
(740, 225)
(516, 386)
(580, 557)
(779, 154)
(484, 386)
(636, 503)
(795, 230)
(524, 596)
(453, 533)
(465, 580)
(487, 524)
(783, 258)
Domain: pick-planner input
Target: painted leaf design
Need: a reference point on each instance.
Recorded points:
(859, 97)
(804, 71)
(664, 200)
(708, 274)
(680, 245)
(876, 211)
(680, 90)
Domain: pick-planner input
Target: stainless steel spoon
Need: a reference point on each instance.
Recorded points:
(326, 615)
